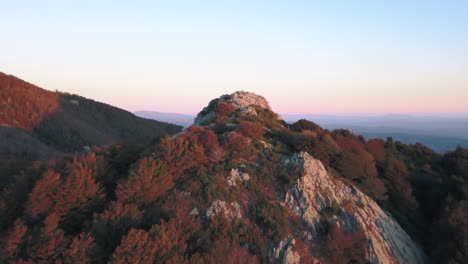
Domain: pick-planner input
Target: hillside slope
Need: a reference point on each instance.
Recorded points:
(40, 124)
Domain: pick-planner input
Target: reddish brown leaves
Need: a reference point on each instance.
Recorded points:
(224, 108)
(80, 185)
(164, 243)
(236, 142)
(251, 129)
(43, 196)
(15, 239)
(53, 193)
(118, 210)
(377, 148)
(136, 247)
(80, 249)
(345, 247)
(202, 136)
(23, 105)
(52, 242)
(146, 183)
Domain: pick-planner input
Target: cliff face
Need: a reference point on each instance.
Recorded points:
(316, 191)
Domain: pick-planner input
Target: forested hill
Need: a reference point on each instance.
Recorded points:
(40, 124)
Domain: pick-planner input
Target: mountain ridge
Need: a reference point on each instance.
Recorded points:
(240, 186)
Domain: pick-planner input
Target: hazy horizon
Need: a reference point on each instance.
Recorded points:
(419, 115)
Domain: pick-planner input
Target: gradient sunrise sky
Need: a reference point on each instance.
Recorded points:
(319, 57)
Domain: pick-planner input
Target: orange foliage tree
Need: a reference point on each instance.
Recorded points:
(80, 249)
(14, 241)
(164, 243)
(181, 153)
(53, 193)
(112, 224)
(43, 196)
(172, 238)
(80, 186)
(51, 243)
(136, 247)
(146, 183)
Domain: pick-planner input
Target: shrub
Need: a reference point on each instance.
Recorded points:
(251, 129)
(236, 142)
(343, 247)
(224, 108)
(202, 136)
(303, 125)
(271, 218)
(377, 148)
(289, 174)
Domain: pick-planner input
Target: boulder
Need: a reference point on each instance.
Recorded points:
(236, 176)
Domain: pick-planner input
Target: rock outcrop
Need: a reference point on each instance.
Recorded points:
(230, 211)
(316, 191)
(194, 212)
(245, 101)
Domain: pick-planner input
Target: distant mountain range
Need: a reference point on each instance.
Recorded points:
(174, 118)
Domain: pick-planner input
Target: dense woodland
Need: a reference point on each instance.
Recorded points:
(130, 204)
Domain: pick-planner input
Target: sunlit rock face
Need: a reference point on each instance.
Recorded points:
(284, 254)
(246, 102)
(243, 100)
(316, 190)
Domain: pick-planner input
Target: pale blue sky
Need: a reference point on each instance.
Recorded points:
(304, 56)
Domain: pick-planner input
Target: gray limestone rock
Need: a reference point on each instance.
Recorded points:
(388, 243)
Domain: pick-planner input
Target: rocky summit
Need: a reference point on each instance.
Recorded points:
(244, 101)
